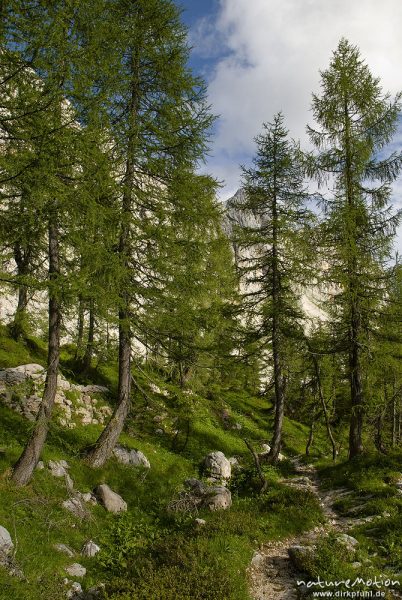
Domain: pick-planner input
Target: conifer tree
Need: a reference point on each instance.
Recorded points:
(355, 121)
(159, 120)
(273, 254)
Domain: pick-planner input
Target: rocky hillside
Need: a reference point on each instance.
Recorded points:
(175, 514)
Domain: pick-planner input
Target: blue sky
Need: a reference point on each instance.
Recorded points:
(262, 56)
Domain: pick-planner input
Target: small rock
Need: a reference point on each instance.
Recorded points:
(64, 549)
(6, 543)
(96, 592)
(136, 458)
(348, 541)
(58, 468)
(217, 498)
(217, 466)
(89, 498)
(200, 522)
(257, 560)
(75, 590)
(109, 499)
(76, 507)
(90, 549)
(356, 565)
(40, 466)
(76, 570)
(266, 448)
(159, 432)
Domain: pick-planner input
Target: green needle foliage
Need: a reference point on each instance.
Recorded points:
(355, 121)
(274, 263)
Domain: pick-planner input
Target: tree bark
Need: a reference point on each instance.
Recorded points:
(107, 440)
(80, 327)
(23, 469)
(278, 375)
(87, 360)
(22, 259)
(324, 407)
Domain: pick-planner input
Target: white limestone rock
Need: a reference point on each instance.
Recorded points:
(111, 501)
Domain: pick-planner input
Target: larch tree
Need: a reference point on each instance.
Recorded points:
(46, 164)
(273, 258)
(355, 120)
(159, 120)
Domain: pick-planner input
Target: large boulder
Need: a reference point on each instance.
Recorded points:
(217, 466)
(6, 543)
(16, 375)
(109, 499)
(136, 458)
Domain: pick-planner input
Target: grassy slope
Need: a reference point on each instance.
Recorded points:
(147, 553)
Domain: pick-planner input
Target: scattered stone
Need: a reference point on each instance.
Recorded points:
(64, 549)
(58, 468)
(109, 499)
(136, 458)
(356, 565)
(257, 560)
(217, 466)
(159, 431)
(40, 466)
(237, 426)
(16, 375)
(217, 498)
(6, 543)
(90, 549)
(96, 592)
(75, 506)
(266, 448)
(75, 590)
(200, 522)
(89, 498)
(299, 555)
(348, 541)
(76, 570)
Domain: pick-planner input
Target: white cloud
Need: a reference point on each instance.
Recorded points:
(273, 52)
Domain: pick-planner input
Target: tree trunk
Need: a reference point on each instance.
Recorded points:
(324, 407)
(108, 439)
(80, 327)
(311, 434)
(22, 260)
(356, 393)
(23, 469)
(110, 435)
(278, 375)
(87, 360)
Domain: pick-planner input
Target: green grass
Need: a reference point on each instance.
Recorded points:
(150, 553)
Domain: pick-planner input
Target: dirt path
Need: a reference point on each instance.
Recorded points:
(272, 574)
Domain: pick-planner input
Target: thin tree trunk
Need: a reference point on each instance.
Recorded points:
(311, 434)
(356, 392)
(80, 326)
(264, 482)
(278, 375)
(87, 360)
(324, 407)
(23, 469)
(107, 440)
(22, 260)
